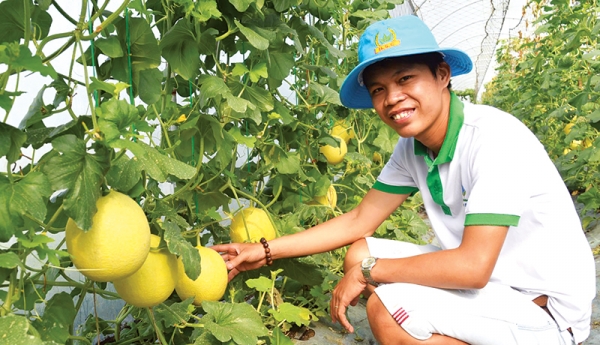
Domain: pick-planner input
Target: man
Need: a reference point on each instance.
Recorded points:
(514, 266)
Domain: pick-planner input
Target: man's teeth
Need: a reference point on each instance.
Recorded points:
(400, 115)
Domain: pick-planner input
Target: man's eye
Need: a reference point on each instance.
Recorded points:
(376, 90)
(405, 78)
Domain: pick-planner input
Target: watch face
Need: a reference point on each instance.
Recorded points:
(368, 262)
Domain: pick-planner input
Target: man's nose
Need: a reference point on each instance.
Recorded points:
(394, 96)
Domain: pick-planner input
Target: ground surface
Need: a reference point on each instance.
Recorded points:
(326, 333)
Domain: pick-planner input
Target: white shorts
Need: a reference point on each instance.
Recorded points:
(496, 314)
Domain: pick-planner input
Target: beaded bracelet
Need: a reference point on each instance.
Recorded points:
(267, 251)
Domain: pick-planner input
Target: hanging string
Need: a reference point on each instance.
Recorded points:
(330, 114)
(244, 79)
(129, 64)
(93, 51)
(193, 161)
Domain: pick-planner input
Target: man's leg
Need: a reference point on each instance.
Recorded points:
(407, 313)
(384, 327)
(387, 331)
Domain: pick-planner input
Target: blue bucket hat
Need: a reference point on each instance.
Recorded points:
(400, 36)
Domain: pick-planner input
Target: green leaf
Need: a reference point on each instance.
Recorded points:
(280, 64)
(79, 172)
(258, 70)
(15, 330)
(300, 270)
(10, 260)
(41, 22)
(58, 316)
(288, 164)
(145, 52)
(111, 88)
(241, 5)
(261, 284)
(282, 5)
(260, 97)
(37, 240)
(166, 210)
(110, 46)
(208, 44)
(293, 314)
(150, 85)
(212, 200)
(242, 139)
(594, 116)
(27, 196)
(174, 314)
(206, 10)
(386, 139)
(34, 113)
(591, 198)
(115, 117)
(12, 13)
(239, 69)
(283, 111)
(239, 105)
(211, 87)
(579, 100)
(22, 59)
(326, 94)
(255, 39)
(158, 165)
(11, 141)
(278, 338)
(314, 31)
(6, 102)
(182, 248)
(124, 173)
(180, 49)
(233, 321)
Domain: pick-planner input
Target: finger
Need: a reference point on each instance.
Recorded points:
(221, 248)
(242, 257)
(341, 315)
(354, 302)
(234, 272)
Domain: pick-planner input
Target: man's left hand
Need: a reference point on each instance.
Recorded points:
(345, 294)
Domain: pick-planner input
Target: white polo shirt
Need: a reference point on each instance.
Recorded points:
(492, 170)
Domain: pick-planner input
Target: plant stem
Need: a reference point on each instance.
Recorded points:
(159, 334)
(64, 14)
(87, 87)
(6, 306)
(82, 339)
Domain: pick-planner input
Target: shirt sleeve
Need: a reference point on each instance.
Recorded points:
(502, 167)
(395, 178)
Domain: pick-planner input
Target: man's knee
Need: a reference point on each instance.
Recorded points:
(356, 253)
(385, 329)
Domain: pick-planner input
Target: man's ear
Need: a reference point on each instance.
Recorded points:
(444, 73)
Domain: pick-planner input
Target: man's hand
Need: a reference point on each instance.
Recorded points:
(241, 257)
(347, 293)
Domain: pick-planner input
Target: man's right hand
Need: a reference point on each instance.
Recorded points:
(241, 257)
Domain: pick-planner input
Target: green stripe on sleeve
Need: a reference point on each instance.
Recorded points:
(491, 219)
(382, 187)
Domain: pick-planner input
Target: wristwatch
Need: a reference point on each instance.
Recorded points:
(366, 266)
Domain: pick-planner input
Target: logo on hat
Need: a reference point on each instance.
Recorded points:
(385, 41)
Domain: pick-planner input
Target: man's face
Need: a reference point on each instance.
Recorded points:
(408, 97)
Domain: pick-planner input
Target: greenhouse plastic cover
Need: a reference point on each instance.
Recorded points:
(474, 26)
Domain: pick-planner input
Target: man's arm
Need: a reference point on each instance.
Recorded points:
(343, 230)
(340, 231)
(467, 267)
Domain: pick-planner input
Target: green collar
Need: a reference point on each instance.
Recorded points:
(455, 123)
